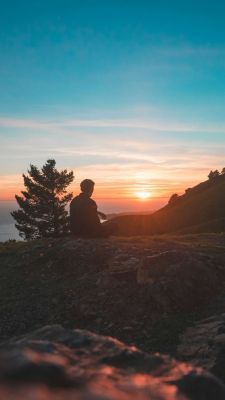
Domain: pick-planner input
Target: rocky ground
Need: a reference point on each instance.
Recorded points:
(204, 345)
(146, 291)
(57, 363)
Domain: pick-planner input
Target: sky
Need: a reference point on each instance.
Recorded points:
(128, 93)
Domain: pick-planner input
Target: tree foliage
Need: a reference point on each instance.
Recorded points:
(213, 174)
(188, 191)
(173, 198)
(42, 205)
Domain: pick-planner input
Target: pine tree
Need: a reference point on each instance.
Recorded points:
(42, 210)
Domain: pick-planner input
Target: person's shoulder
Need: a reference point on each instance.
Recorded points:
(93, 203)
(75, 200)
(81, 199)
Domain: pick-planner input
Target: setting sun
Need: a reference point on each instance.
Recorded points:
(143, 195)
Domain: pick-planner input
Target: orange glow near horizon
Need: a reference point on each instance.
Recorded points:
(117, 187)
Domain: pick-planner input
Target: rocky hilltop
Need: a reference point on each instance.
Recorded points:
(151, 292)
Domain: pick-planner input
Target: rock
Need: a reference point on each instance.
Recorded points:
(123, 262)
(126, 275)
(55, 363)
(123, 267)
(204, 345)
(127, 328)
(110, 325)
(155, 266)
(173, 275)
(77, 272)
(55, 300)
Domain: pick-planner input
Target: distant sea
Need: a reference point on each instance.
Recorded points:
(8, 231)
(7, 224)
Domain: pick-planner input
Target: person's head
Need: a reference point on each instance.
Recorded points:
(87, 186)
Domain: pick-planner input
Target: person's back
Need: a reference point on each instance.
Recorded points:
(83, 216)
(84, 220)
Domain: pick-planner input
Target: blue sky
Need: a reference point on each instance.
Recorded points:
(97, 54)
(130, 92)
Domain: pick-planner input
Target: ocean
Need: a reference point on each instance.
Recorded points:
(7, 232)
(7, 223)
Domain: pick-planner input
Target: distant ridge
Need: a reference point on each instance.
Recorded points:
(200, 209)
(120, 214)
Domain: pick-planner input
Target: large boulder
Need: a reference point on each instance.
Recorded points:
(204, 345)
(54, 363)
(181, 279)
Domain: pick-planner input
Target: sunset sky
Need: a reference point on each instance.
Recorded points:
(128, 93)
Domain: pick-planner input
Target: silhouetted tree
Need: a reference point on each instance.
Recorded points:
(173, 198)
(42, 210)
(223, 171)
(188, 191)
(213, 175)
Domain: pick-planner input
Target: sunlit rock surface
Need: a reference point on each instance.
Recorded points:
(54, 363)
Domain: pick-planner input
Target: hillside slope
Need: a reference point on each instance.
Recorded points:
(202, 206)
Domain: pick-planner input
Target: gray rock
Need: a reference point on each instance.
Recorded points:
(204, 345)
(174, 276)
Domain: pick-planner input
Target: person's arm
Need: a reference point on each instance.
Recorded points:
(102, 215)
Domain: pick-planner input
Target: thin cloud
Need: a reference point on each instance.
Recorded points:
(109, 123)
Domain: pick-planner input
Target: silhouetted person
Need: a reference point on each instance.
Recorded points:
(84, 214)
